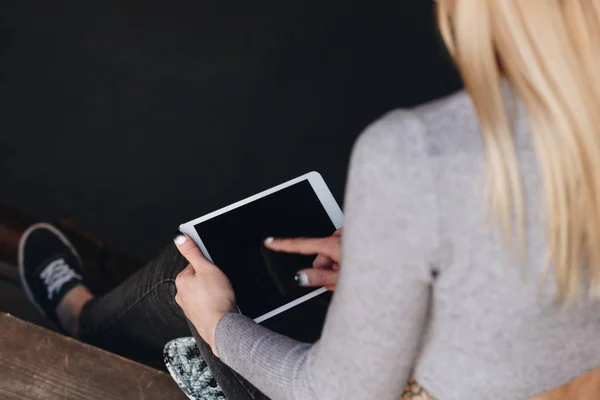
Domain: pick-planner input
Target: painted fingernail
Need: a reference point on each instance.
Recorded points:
(301, 279)
(269, 240)
(179, 238)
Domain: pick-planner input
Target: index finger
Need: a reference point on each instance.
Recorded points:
(190, 251)
(308, 246)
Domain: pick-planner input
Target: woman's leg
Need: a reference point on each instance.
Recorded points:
(140, 316)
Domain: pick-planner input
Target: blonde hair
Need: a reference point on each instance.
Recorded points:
(549, 52)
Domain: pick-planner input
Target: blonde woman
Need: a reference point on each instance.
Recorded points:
(470, 257)
(471, 246)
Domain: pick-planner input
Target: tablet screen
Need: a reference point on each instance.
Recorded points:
(264, 280)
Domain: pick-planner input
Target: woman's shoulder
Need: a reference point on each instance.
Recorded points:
(458, 104)
(439, 127)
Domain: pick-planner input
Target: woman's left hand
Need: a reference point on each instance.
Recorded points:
(326, 266)
(203, 291)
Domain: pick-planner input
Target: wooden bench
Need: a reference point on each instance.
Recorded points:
(36, 363)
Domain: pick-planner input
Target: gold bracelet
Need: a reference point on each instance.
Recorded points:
(413, 391)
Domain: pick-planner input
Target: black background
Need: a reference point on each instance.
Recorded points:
(130, 117)
(234, 241)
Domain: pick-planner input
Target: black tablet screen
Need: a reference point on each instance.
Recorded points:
(264, 280)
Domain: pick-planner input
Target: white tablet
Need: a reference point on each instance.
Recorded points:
(233, 238)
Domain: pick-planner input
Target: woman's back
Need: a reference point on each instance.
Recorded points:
(492, 326)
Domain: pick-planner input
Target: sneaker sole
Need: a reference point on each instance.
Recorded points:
(21, 255)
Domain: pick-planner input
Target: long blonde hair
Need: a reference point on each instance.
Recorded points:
(549, 52)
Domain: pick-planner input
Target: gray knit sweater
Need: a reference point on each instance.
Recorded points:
(425, 287)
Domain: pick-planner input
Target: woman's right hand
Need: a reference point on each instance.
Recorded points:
(326, 266)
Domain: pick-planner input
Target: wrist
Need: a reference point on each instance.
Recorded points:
(211, 339)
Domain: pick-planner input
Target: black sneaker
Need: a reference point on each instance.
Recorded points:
(49, 266)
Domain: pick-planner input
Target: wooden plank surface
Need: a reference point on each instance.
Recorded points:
(36, 363)
(9, 273)
(12, 225)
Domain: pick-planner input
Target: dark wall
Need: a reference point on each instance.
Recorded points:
(130, 117)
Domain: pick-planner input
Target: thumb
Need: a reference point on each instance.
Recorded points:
(314, 277)
(190, 251)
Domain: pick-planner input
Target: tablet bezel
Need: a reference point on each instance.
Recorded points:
(327, 201)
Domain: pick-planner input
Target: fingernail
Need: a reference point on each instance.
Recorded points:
(269, 240)
(302, 279)
(179, 238)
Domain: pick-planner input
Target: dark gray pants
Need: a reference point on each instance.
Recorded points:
(140, 316)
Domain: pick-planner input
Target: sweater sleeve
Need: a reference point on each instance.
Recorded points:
(376, 320)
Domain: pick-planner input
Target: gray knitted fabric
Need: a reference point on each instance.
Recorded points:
(425, 287)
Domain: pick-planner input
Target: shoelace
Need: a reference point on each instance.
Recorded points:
(56, 274)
